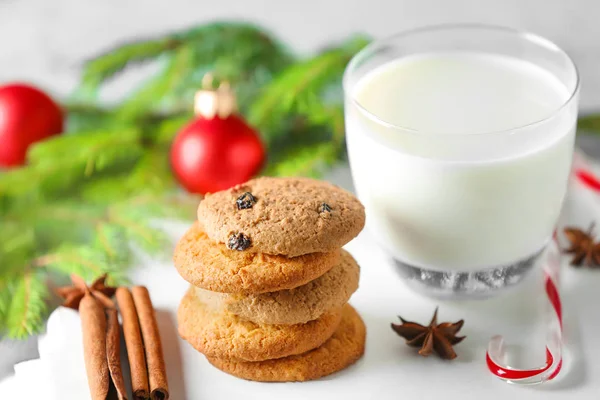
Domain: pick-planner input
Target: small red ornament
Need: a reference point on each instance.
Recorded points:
(218, 149)
(27, 115)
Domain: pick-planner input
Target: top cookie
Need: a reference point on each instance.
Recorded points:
(289, 216)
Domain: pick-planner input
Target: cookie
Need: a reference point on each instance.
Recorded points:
(290, 216)
(212, 266)
(225, 335)
(344, 348)
(293, 306)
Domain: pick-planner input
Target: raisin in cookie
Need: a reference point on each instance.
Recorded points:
(289, 216)
(292, 306)
(212, 266)
(344, 348)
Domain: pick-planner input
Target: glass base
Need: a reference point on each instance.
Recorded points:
(475, 284)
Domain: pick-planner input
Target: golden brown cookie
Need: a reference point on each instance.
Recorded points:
(212, 266)
(293, 306)
(225, 335)
(290, 216)
(344, 348)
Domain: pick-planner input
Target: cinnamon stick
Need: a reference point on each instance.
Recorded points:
(113, 353)
(93, 326)
(157, 376)
(135, 345)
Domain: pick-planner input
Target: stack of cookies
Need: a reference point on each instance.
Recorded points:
(270, 282)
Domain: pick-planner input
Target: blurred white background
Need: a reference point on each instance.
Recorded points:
(45, 41)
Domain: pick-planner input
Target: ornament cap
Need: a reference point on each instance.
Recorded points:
(210, 103)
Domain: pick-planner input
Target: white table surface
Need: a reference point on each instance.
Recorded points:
(390, 369)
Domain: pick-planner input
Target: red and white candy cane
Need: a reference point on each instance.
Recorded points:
(583, 174)
(496, 354)
(588, 179)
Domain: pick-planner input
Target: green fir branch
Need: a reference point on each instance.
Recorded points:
(139, 231)
(157, 90)
(150, 176)
(86, 117)
(299, 90)
(165, 131)
(310, 161)
(62, 221)
(86, 261)
(243, 54)
(589, 123)
(328, 117)
(89, 146)
(59, 164)
(17, 243)
(174, 205)
(112, 240)
(104, 66)
(239, 53)
(5, 300)
(83, 118)
(27, 308)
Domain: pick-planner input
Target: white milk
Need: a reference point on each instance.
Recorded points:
(459, 188)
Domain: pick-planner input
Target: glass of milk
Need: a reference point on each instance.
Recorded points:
(460, 141)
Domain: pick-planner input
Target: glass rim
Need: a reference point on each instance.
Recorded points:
(522, 34)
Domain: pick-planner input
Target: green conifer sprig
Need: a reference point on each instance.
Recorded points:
(25, 316)
(57, 165)
(86, 261)
(86, 240)
(104, 66)
(300, 90)
(156, 92)
(589, 123)
(150, 176)
(309, 161)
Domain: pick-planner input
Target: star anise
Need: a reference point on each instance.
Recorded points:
(436, 337)
(585, 250)
(74, 293)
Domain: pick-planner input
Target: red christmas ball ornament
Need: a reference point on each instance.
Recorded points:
(218, 149)
(27, 115)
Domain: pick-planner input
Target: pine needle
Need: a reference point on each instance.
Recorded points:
(58, 164)
(165, 131)
(17, 243)
(85, 261)
(589, 123)
(5, 299)
(112, 240)
(106, 65)
(299, 90)
(85, 117)
(139, 231)
(243, 54)
(156, 90)
(172, 205)
(150, 176)
(308, 161)
(27, 309)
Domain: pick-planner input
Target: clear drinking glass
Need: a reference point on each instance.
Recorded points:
(460, 140)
